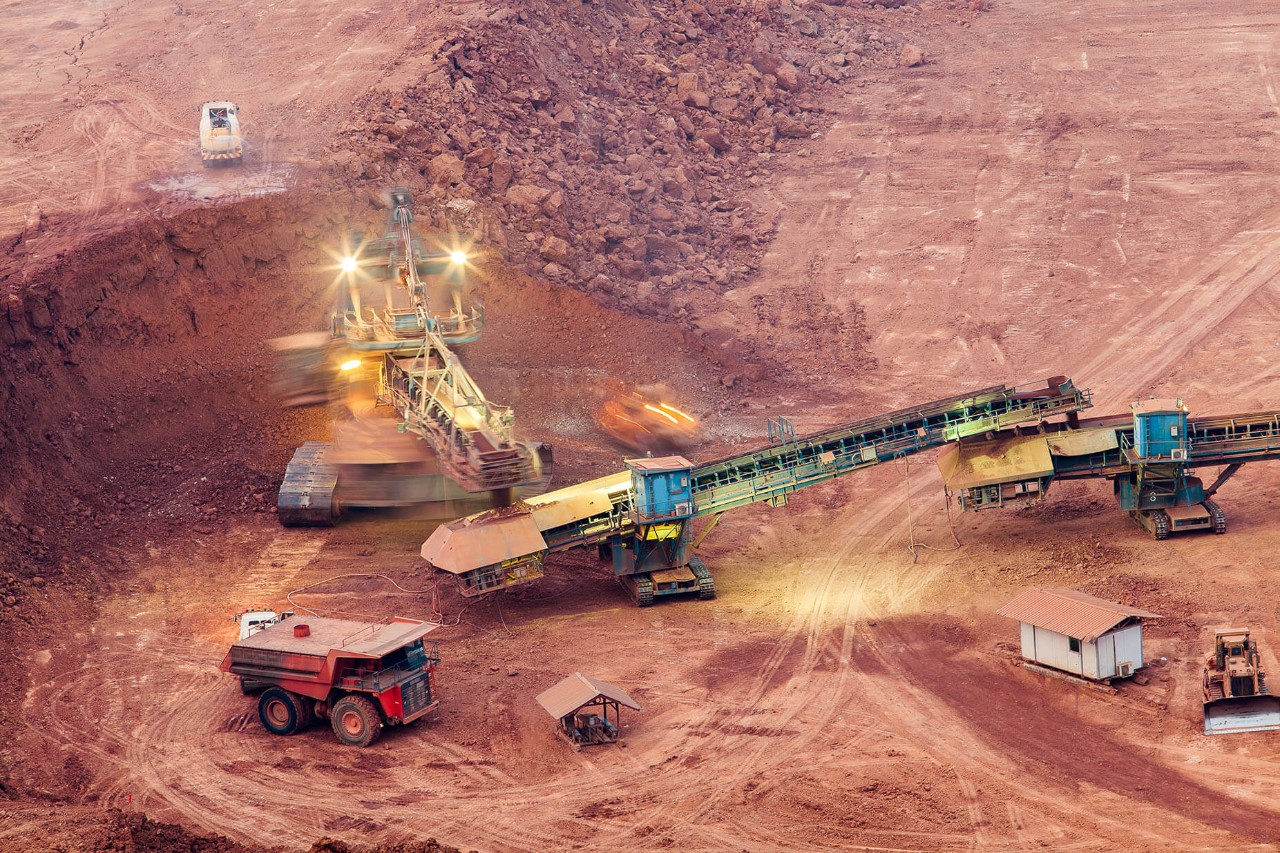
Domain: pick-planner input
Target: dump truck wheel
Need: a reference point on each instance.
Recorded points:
(306, 711)
(280, 711)
(356, 721)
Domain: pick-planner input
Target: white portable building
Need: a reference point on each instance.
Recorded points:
(1079, 633)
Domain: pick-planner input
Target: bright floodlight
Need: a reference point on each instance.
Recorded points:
(351, 365)
(349, 264)
(458, 256)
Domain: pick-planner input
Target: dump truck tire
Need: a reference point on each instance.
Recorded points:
(280, 711)
(355, 721)
(306, 711)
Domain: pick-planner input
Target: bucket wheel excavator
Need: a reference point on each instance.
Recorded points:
(447, 444)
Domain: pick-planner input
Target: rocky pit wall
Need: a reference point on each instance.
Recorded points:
(612, 146)
(606, 147)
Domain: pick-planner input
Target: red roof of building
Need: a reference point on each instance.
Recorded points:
(1070, 612)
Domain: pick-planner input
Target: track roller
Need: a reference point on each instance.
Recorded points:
(1219, 517)
(706, 583)
(1156, 521)
(308, 496)
(1159, 524)
(640, 587)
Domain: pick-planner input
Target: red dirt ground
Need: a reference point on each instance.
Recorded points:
(1080, 189)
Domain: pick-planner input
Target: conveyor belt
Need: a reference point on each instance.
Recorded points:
(503, 547)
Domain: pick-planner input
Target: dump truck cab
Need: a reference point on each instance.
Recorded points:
(220, 138)
(361, 677)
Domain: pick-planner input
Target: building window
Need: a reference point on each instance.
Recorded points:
(1073, 644)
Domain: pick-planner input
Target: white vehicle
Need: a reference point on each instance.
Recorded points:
(253, 621)
(220, 138)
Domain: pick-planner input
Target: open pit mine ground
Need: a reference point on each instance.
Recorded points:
(822, 212)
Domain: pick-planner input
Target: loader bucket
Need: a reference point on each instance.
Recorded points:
(1242, 714)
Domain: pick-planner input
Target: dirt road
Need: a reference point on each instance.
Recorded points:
(1083, 190)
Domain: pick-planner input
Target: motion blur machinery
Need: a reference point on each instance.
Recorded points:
(449, 445)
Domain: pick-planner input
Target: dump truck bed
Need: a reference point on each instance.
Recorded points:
(346, 636)
(279, 651)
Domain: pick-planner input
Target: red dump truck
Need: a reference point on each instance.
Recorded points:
(361, 677)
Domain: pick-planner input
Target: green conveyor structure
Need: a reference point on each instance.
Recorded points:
(643, 516)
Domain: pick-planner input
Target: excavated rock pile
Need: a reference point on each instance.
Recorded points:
(611, 147)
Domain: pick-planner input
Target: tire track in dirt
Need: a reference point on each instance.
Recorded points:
(711, 737)
(1185, 319)
(282, 560)
(825, 606)
(99, 130)
(1124, 771)
(1136, 354)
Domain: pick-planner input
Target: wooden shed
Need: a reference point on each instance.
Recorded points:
(1078, 633)
(581, 704)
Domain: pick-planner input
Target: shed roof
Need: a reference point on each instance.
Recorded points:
(577, 690)
(1070, 612)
